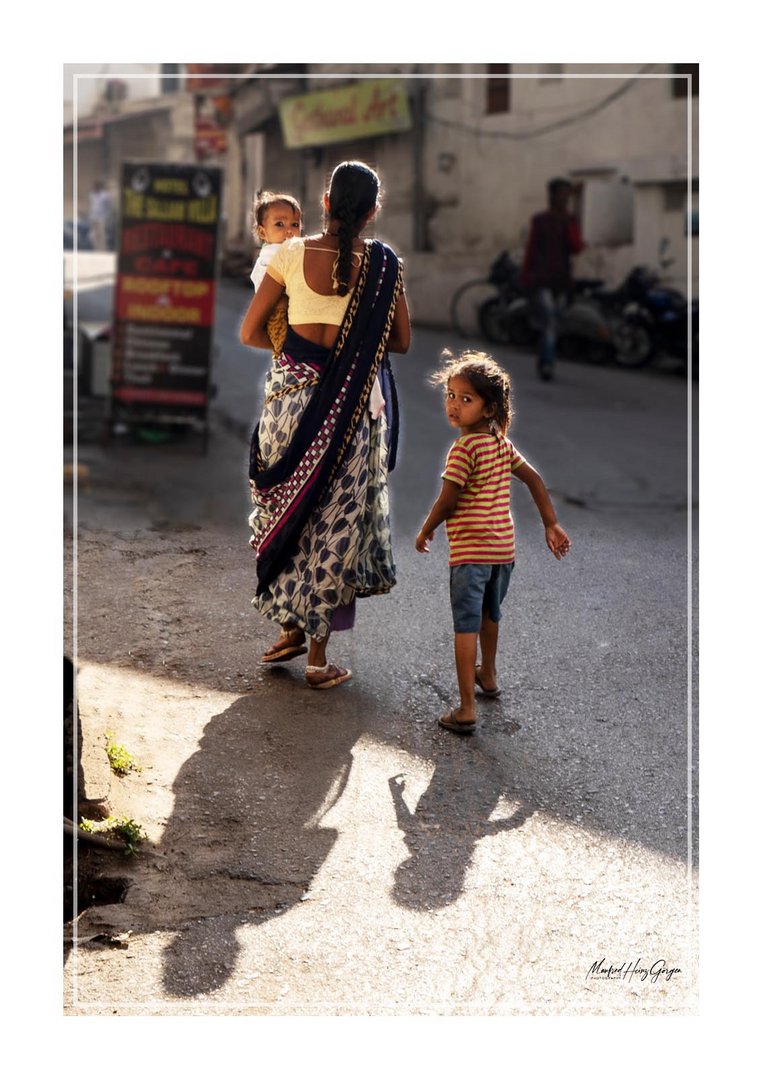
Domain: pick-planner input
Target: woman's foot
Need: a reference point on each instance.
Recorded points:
(290, 644)
(485, 686)
(323, 678)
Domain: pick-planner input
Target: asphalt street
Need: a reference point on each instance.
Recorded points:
(408, 870)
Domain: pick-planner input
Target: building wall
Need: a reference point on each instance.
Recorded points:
(460, 187)
(486, 175)
(483, 176)
(156, 133)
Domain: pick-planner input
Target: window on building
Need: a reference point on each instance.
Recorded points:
(674, 197)
(448, 87)
(680, 83)
(498, 88)
(550, 72)
(170, 78)
(678, 200)
(692, 214)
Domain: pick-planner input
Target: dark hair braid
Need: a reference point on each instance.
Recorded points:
(353, 194)
(344, 214)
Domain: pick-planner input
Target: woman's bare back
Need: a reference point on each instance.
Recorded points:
(320, 259)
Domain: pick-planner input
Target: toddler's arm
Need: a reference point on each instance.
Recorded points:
(253, 329)
(443, 508)
(557, 539)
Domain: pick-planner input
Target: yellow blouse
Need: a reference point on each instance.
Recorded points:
(305, 305)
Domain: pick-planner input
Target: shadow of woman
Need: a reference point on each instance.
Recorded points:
(245, 839)
(449, 820)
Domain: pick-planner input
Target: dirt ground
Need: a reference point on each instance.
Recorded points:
(334, 853)
(160, 596)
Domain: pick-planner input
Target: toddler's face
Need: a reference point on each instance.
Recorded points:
(279, 223)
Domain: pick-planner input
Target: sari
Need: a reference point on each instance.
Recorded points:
(319, 464)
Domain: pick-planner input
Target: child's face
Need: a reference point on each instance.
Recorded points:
(464, 407)
(279, 223)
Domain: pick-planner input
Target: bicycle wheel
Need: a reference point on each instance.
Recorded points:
(465, 304)
(494, 323)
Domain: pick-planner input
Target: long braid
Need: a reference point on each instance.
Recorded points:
(353, 194)
(345, 215)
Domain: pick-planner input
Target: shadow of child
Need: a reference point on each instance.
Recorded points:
(450, 818)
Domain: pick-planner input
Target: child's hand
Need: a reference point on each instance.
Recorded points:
(422, 542)
(558, 541)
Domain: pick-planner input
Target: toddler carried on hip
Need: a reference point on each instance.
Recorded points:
(277, 217)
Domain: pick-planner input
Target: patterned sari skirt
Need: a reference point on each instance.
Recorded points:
(345, 548)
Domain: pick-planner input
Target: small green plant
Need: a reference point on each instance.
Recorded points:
(129, 831)
(120, 760)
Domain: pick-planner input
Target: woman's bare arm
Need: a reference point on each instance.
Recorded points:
(399, 340)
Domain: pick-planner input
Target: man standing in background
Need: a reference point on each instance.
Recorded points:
(99, 216)
(546, 271)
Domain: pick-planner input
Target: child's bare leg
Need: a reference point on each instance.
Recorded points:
(488, 650)
(466, 659)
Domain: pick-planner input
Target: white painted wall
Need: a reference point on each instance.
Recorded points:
(86, 83)
(483, 175)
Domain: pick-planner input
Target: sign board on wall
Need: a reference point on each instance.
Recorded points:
(165, 290)
(212, 117)
(361, 110)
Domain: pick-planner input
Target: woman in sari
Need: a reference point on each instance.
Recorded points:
(321, 450)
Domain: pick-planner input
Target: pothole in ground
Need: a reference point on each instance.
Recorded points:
(99, 881)
(104, 890)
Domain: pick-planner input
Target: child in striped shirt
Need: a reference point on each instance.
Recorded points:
(475, 503)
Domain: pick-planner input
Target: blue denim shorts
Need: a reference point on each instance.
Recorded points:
(476, 588)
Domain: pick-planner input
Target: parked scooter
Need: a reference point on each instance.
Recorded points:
(501, 285)
(664, 312)
(659, 314)
(584, 330)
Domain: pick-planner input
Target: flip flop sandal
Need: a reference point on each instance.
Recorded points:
(449, 721)
(481, 689)
(288, 652)
(325, 679)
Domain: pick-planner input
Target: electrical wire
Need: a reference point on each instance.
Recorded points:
(555, 125)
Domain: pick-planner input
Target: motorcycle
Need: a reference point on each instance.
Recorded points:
(661, 315)
(502, 284)
(584, 330)
(671, 322)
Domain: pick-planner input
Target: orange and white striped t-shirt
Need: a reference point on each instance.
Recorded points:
(481, 530)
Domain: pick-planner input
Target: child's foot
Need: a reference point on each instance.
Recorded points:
(486, 687)
(453, 722)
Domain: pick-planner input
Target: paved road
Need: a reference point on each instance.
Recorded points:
(393, 866)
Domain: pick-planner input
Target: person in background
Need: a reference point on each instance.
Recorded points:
(553, 239)
(100, 211)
